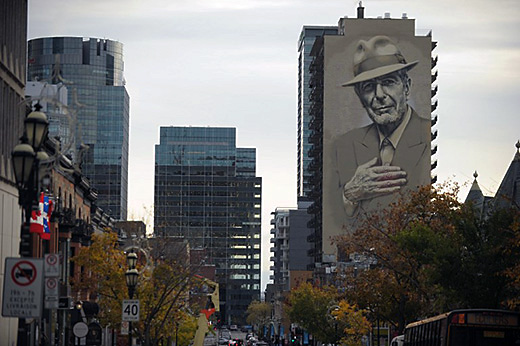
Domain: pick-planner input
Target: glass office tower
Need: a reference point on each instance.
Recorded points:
(307, 37)
(92, 70)
(207, 192)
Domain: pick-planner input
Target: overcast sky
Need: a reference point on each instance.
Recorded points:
(234, 63)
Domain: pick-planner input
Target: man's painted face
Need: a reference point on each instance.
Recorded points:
(385, 98)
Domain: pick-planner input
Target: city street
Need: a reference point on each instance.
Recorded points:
(223, 335)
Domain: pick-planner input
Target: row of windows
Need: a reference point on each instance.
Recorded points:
(206, 193)
(205, 182)
(244, 277)
(244, 266)
(239, 256)
(162, 202)
(185, 222)
(194, 212)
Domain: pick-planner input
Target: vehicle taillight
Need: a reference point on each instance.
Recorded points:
(458, 319)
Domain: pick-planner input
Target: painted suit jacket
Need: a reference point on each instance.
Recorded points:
(358, 146)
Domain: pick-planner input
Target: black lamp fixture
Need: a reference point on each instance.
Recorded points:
(23, 160)
(36, 127)
(131, 274)
(131, 259)
(24, 154)
(131, 282)
(25, 167)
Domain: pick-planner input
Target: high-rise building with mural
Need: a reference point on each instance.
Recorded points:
(92, 71)
(207, 192)
(371, 114)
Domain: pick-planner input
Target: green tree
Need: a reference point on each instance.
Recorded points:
(431, 254)
(513, 271)
(163, 289)
(353, 322)
(104, 275)
(322, 312)
(259, 314)
(163, 294)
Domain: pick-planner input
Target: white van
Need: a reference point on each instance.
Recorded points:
(397, 341)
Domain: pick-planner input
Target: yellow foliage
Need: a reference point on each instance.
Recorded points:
(355, 324)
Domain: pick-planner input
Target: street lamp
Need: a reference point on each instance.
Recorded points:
(332, 314)
(36, 126)
(25, 167)
(131, 282)
(132, 273)
(23, 158)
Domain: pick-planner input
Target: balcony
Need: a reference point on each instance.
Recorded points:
(66, 219)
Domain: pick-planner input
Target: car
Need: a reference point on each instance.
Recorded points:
(223, 341)
(233, 327)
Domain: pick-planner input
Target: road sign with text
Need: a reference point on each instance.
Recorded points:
(131, 310)
(23, 287)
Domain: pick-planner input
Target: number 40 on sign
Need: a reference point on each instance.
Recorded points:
(131, 310)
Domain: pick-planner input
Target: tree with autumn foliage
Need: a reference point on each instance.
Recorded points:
(167, 309)
(259, 314)
(165, 300)
(103, 275)
(324, 313)
(429, 254)
(353, 322)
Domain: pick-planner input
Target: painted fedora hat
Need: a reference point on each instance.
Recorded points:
(375, 58)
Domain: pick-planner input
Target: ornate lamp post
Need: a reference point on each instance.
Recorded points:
(26, 157)
(131, 282)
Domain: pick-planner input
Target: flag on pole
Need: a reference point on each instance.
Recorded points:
(36, 225)
(40, 219)
(46, 214)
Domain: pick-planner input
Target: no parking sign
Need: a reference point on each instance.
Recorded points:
(52, 265)
(23, 287)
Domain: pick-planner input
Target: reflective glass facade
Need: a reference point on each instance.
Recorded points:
(207, 192)
(92, 69)
(307, 37)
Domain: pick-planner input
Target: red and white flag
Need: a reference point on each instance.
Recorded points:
(40, 219)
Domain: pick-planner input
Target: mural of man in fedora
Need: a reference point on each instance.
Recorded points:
(375, 162)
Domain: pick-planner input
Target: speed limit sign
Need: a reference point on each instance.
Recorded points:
(131, 310)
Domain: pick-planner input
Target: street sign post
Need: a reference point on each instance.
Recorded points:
(52, 265)
(23, 287)
(125, 327)
(51, 300)
(80, 329)
(131, 310)
(51, 268)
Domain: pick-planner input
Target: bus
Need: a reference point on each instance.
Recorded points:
(471, 327)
